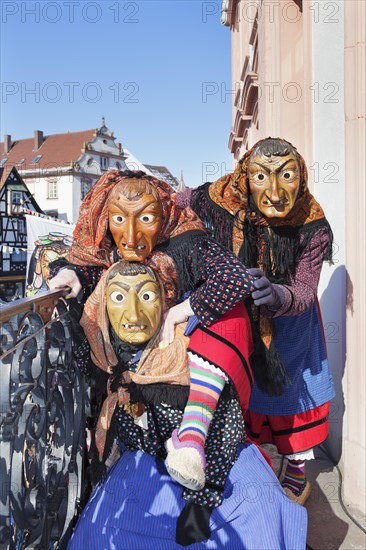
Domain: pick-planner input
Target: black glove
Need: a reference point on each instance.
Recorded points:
(266, 293)
(193, 524)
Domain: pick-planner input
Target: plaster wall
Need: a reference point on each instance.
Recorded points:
(328, 174)
(68, 201)
(354, 444)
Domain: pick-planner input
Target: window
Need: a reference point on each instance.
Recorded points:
(16, 198)
(52, 190)
(104, 163)
(6, 261)
(19, 257)
(20, 226)
(118, 165)
(36, 159)
(85, 188)
(2, 162)
(21, 162)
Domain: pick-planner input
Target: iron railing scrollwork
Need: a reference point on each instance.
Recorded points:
(42, 430)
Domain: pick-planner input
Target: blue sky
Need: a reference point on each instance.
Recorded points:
(159, 71)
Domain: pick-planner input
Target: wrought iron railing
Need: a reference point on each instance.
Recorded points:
(42, 424)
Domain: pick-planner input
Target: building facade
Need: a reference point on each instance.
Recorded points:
(60, 169)
(14, 197)
(298, 71)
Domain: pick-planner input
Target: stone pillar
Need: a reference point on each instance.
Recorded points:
(354, 441)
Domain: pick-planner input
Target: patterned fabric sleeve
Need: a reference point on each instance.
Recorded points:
(88, 275)
(301, 293)
(223, 278)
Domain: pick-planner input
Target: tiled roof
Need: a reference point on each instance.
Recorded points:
(57, 150)
(163, 173)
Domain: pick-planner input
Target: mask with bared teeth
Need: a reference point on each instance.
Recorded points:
(134, 303)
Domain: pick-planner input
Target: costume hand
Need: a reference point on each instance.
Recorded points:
(193, 524)
(176, 314)
(66, 278)
(266, 293)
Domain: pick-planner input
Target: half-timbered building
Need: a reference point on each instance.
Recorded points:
(14, 198)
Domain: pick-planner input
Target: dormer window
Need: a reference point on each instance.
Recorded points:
(36, 159)
(21, 162)
(16, 198)
(2, 162)
(104, 163)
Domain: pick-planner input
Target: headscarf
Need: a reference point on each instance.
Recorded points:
(231, 193)
(93, 241)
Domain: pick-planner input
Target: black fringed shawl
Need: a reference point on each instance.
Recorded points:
(284, 245)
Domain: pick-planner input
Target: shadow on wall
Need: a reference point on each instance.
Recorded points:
(333, 306)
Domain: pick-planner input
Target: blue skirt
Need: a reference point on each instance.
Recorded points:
(300, 342)
(137, 506)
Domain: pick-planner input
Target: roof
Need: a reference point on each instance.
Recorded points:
(12, 180)
(162, 173)
(57, 150)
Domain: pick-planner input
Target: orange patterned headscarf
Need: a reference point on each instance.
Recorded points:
(231, 192)
(92, 240)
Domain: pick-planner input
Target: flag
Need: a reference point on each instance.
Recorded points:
(47, 241)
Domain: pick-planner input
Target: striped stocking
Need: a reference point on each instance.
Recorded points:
(295, 476)
(206, 385)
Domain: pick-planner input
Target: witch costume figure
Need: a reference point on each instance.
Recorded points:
(266, 215)
(124, 313)
(147, 389)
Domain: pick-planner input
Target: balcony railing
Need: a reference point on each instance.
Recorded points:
(42, 424)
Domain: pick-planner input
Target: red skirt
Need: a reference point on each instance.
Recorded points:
(227, 344)
(291, 434)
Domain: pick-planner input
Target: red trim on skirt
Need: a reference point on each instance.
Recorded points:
(291, 434)
(227, 344)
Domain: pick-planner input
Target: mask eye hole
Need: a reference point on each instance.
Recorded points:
(117, 297)
(148, 296)
(147, 218)
(288, 175)
(258, 178)
(118, 219)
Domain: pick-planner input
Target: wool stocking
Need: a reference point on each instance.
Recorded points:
(295, 478)
(206, 385)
